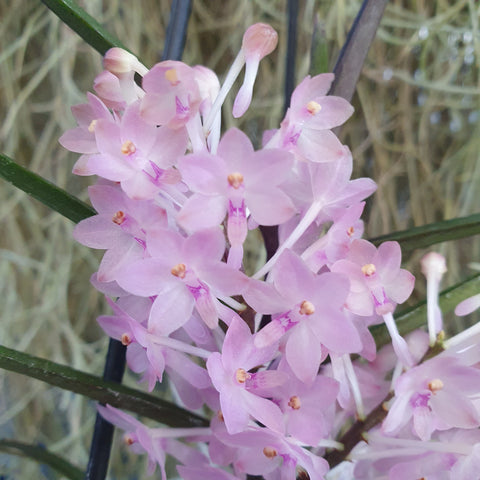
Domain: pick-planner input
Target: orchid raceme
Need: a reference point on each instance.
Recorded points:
(175, 200)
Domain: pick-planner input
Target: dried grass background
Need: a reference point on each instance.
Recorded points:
(416, 131)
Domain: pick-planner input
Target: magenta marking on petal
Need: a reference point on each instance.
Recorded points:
(180, 108)
(420, 400)
(285, 321)
(157, 170)
(158, 174)
(237, 212)
(384, 305)
(199, 290)
(141, 242)
(291, 137)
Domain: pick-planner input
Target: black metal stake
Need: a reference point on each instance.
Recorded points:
(115, 361)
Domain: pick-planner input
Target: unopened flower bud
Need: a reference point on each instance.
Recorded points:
(118, 61)
(259, 40)
(433, 266)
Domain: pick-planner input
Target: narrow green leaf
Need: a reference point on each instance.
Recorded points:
(416, 317)
(438, 232)
(44, 191)
(97, 389)
(83, 24)
(41, 455)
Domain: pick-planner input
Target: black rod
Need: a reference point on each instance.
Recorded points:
(115, 361)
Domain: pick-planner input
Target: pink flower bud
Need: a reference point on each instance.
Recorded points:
(259, 40)
(433, 266)
(119, 61)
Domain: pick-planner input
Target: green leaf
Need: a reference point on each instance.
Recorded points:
(41, 455)
(44, 191)
(416, 317)
(97, 389)
(427, 235)
(83, 24)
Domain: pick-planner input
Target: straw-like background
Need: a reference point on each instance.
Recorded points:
(416, 131)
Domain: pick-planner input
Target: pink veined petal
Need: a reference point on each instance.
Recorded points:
(334, 111)
(135, 129)
(337, 333)
(235, 415)
(264, 411)
(399, 414)
(157, 362)
(154, 451)
(388, 258)
(202, 211)
(263, 298)
(114, 259)
(139, 186)
(268, 167)
(468, 306)
(108, 137)
(137, 358)
(320, 146)
(204, 246)
(185, 453)
(234, 148)
(81, 166)
(423, 423)
(206, 307)
(461, 378)
(170, 310)
(189, 395)
(290, 276)
(362, 252)
(464, 415)
(224, 279)
(216, 370)
(99, 232)
(146, 277)
(109, 167)
(106, 199)
(329, 179)
(169, 146)
(311, 88)
(303, 353)
(79, 140)
(270, 207)
(307, 428)
(166, 245)
(401, 288)
(237, 345)
(204, 173)
(158, 109)
(119, 418)
(190, 371)
(114, 326)
(356, 191)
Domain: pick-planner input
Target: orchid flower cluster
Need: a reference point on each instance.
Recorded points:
(268, 357)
